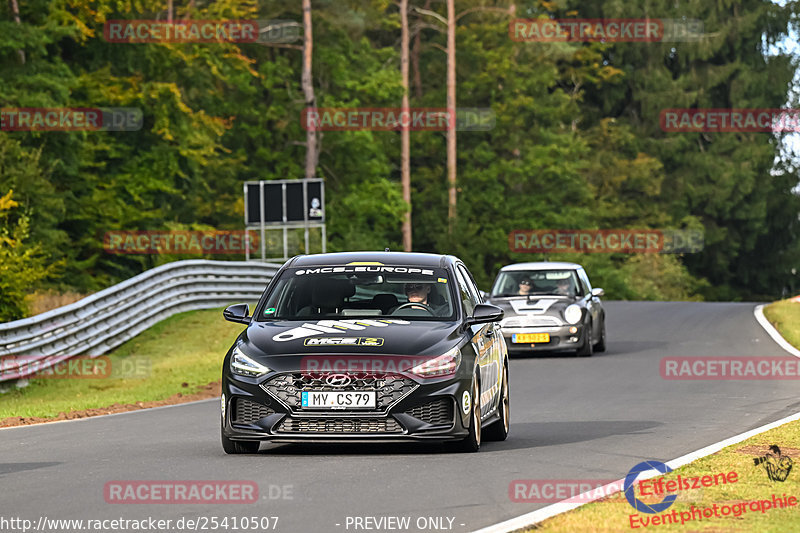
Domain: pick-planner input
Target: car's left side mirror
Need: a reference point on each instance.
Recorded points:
(598, 292)
(237, 313)
(485, 313)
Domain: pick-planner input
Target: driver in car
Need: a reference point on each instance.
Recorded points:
(525, 286)
(418, 293)
(564, 287)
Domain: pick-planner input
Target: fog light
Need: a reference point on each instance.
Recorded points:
(573, 339)
(573, 329)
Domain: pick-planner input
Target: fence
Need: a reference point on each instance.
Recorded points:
(104, 320)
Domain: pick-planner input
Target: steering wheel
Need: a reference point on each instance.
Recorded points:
(425, 307)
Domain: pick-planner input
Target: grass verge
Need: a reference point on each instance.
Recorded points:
(753, 484)
(174, 360)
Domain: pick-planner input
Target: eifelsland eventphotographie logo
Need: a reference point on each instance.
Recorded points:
(71, 119)
(614, 30)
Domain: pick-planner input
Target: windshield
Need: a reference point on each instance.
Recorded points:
(537, 282)
(360, 291)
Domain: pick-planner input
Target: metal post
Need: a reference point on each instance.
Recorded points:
(324, 218)
(305, 214)
(263, 222)
(285, 232)
(246, 230)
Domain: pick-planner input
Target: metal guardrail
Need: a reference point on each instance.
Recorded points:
(96, 324)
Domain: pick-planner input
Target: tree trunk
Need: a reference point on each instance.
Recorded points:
(169, 11)
(15, 12)
(312, 146)
(451, 108)
(415, 52)
(405, 133)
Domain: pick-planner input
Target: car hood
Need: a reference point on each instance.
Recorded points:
(350, 336)
(538, 305)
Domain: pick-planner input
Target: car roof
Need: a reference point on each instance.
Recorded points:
(386, 258)
(542, 265)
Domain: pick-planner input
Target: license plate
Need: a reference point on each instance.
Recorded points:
(337, 399)
(530, 337)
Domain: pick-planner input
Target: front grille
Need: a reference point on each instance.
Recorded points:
(287, 387)
(530, 321)
(435, 412)
(344, 426)
(249, 412)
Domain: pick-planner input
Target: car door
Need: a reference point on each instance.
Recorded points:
(485, 337)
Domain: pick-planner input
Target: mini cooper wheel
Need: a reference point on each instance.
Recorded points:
(499, 430)
(588, 348)
(601, 345)
(472, 443)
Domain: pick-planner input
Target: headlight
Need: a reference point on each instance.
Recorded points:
(572, 314)
(244, 366)
(442, 365)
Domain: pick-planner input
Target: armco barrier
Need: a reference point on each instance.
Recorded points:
(104, 320)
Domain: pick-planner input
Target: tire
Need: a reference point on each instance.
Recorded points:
(601, 345)
(587, 349)
(472, 443)
(499, 430)
(239, 446)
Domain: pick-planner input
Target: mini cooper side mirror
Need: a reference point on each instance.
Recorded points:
(485, 313)
(598, 292)
(237, 313)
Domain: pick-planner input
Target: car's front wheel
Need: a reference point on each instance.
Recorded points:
(238, 446)
(601, 346)
(473, 441)
(588, 348)
(499, 430)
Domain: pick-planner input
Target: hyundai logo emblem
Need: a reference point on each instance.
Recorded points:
(338, 380)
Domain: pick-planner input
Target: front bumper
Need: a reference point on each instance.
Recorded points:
(561, 338)
(267, 409)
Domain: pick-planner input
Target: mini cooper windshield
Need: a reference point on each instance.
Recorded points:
(413, 293)
(536, 282)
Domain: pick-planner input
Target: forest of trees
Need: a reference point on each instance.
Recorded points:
(577, 141)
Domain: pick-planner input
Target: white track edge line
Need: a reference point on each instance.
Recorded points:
(555, 509)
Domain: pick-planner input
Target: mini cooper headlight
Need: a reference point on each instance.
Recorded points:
(442, 365)
(245, 366)
(572, 314)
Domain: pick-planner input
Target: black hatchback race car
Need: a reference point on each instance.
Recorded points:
(550, 307)
(366, 346)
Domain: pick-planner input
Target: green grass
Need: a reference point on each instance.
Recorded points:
(785, 316)
(187, 348)
(613, 513)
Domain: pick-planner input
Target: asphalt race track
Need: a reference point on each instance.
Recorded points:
(572, 418)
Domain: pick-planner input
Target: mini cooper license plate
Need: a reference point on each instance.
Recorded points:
(530, 337)
(338, 399)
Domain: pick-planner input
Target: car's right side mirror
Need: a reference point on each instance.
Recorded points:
(485, 313)
(598, 292)
(237, 313)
